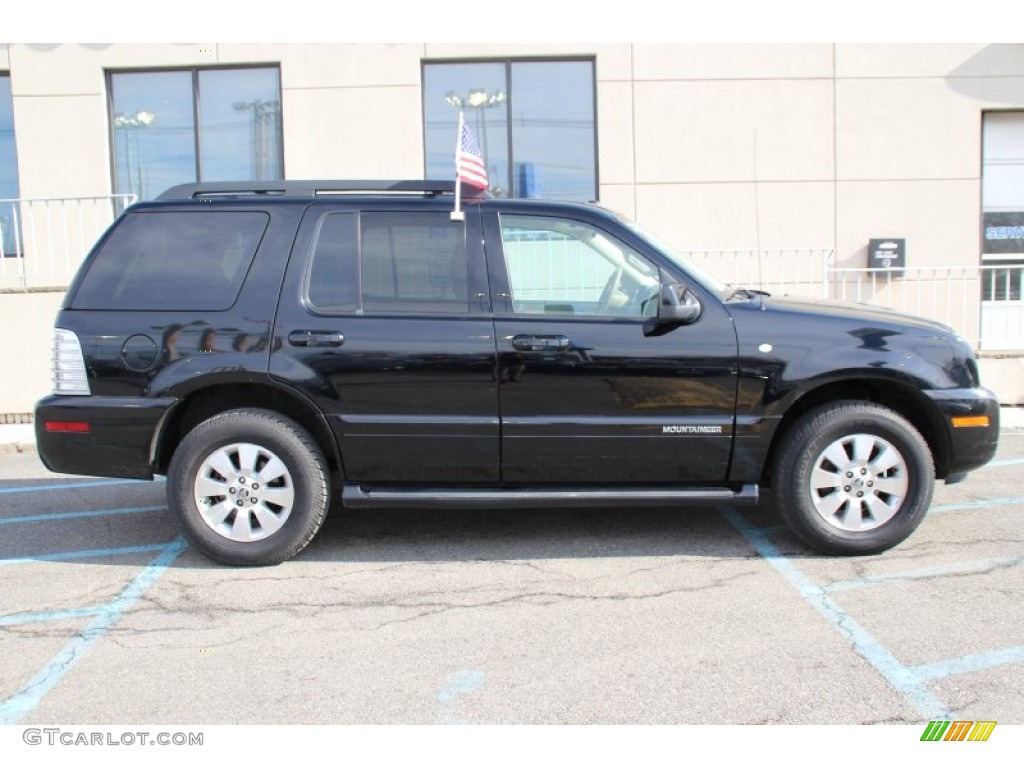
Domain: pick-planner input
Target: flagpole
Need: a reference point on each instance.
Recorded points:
(457, 214)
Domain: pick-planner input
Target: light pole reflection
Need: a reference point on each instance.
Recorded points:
(479, 99)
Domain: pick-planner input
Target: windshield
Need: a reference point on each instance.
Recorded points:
(703, 277)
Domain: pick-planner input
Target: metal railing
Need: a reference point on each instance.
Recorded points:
(983, 303)
(43, 240)
(795, 271)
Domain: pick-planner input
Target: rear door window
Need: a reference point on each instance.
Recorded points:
(390, 262)
(173, 260)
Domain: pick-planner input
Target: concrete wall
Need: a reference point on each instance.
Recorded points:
(26, 341)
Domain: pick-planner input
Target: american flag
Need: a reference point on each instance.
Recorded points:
(469, 165)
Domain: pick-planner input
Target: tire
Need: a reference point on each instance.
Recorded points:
(853, 478)
(249, 486)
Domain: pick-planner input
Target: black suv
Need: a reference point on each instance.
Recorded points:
(274, 347)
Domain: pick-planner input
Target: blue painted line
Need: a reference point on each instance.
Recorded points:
(77, 515)
(863, 642)
(22, 703)
(82, 553)
(17, 619)
(1006, 501)
(972, 663)
(1003, 463)
(466, 681)
(65, 486)
(771, 530)
(952, 569)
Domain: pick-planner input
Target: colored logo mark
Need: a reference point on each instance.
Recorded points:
(958, 730)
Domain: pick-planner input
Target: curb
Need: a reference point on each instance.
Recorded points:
(24, 446)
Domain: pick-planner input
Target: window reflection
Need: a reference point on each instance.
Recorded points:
(534, 121)
(240, 124)
(155, 135)
(8, 167)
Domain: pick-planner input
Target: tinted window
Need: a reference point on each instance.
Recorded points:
(333, 277)
(189, 260)
(566, 267)
(408, 262)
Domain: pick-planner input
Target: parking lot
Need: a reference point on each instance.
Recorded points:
(547, 616)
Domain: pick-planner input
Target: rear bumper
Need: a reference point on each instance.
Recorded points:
(973, 446)
(119, 440)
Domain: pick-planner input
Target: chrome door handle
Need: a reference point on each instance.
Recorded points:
(316, 338)
(525, 343)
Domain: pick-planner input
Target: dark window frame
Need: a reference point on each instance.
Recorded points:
(108, 79)
(508, 61)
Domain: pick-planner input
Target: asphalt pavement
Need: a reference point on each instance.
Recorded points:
(651, 616)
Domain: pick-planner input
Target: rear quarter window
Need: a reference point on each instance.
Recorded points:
(173, 260)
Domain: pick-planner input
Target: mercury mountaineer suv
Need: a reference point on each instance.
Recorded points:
(275, 347)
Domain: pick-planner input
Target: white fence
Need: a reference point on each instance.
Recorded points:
(791, 271)
(983, 303)
(45, 239)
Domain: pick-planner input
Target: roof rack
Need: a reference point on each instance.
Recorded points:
(306, 188)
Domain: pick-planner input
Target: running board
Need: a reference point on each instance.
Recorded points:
(357, 496)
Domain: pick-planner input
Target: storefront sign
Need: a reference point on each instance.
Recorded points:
(1003, 232)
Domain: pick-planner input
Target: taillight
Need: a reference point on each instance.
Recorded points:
(69, 375)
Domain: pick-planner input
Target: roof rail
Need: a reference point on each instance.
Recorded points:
(306, 188)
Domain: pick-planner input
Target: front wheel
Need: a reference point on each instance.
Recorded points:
(853, 478)
(249, 486)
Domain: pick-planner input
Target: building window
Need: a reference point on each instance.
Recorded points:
(1002, 204)
(8, 168)
(534, 121)
(178, 126)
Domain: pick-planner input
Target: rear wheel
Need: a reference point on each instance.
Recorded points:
(250, 487)
(853, 478)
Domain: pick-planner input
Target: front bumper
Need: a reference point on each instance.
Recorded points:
(119, 439)
(973, 444)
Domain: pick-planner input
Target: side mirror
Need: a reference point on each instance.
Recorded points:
(677, 304)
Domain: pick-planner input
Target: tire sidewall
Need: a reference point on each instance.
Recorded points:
(817, 431)
(277, 435)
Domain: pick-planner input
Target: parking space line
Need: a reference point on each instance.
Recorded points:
(65, 486)
(463, 682)
(974, 662)
(901, 678)
(1007, 501)
(951, 569)
(12, 710)
(1002, 463)
(75, 515)
(18, 619)
(770, 530)
(82, 553)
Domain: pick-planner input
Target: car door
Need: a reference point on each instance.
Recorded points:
(593, 390)
(384, 324)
